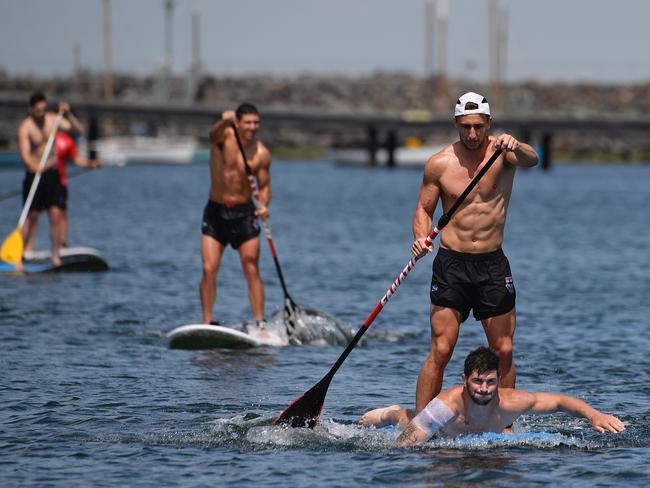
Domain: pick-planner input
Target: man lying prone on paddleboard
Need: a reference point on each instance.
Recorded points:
(479, 406)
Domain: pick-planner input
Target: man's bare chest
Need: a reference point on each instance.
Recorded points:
(497, 181)
(37, 136)
(496, 421)
(235, 167)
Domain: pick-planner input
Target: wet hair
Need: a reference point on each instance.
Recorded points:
(246, 108)
(482, 360)
(37, 97)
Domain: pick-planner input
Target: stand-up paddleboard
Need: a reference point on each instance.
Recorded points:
(202, 336)
(73, 259)
(26, 268)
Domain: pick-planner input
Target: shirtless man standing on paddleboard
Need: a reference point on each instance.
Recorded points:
(230, 217)
(470, 271)
(33, 134)
(480, 405)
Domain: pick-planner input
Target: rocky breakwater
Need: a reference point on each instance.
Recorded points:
(393, 94)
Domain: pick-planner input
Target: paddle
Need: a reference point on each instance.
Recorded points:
(12, 247)
(305, 410)
(290, 307)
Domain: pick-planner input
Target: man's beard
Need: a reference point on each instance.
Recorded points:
(481, 401)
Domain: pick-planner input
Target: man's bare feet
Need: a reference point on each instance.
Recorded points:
(381, 416)
(258, 332)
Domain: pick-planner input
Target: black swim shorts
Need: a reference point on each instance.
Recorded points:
(479, 282)
(232, 225)
(49, 192)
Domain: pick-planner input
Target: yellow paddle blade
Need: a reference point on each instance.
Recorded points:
(12, 248)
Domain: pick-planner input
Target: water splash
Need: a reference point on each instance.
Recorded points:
(313, 327)
(258, 433)
(327, 435)
(490, 440)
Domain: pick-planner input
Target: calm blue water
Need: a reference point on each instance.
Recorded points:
(90, 395)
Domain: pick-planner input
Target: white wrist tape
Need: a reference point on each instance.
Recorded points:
(433, 417)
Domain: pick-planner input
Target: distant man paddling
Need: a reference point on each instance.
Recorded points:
(470, 271)
(480, 405)
(230, 215)
(33, 133)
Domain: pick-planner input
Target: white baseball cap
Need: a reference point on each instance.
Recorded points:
(472, 103)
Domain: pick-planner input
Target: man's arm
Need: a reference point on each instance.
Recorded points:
(553, 402)
(84, 162)
(218, 132)
(221, 128)
(24, 147)
(263, 176)
(412, 436)
(429, 420)
(426, 206)
(69, 122)
(516, 153)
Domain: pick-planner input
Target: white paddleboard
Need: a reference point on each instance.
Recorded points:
(73, 259)
(202, 336)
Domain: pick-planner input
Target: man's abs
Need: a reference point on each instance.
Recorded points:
(229, 183)
(472, 241)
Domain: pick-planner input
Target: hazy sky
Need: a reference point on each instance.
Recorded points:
(551, 40)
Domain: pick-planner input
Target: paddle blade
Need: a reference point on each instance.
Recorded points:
(305, 410)
(12, 247)
(290, 316)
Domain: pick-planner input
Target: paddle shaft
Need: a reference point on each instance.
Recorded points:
(257, 202)
(41, 165)
(442, 222)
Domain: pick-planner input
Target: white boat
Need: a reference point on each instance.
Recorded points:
(404, 156)
(144, 149)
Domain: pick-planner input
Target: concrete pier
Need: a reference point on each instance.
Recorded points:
(380, 131)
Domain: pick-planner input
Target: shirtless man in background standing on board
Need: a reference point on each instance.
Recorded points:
(230, 217)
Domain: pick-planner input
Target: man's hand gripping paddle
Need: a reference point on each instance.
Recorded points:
(305, 410)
